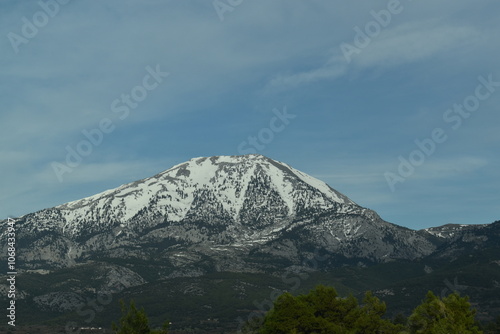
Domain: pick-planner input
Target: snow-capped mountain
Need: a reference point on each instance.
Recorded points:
(245, 219)
(216, 213)
(217, 188)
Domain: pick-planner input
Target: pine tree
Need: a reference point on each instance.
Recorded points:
(371, 320)
(451, 314)
(134, 321)
(323, 311)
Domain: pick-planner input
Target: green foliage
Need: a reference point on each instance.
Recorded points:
(493, 327)
(451, 314)
(163, 330)
(400, 319)
(323, 311)
(134, 321)
(371, 321)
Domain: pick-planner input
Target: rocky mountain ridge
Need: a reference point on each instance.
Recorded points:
(225, 215)
(237, 205)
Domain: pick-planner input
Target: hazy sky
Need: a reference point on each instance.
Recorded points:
(394, 103)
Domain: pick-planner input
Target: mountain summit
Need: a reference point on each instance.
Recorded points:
(248, 189)
(208, 209)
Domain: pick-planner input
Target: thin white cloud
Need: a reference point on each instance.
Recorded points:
(443, 168)
(415, 41)
(329, 71)
(403, 44)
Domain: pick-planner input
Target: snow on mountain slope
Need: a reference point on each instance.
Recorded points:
(226, 181)
(231, 205)
(451, 231)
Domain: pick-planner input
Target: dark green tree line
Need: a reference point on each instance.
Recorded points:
(451, 314)
(135, 321)
(322, 311)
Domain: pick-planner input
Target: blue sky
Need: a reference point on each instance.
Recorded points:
(357, 102)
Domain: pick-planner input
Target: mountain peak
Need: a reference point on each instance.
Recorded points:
(209, 205)
(227, 186)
